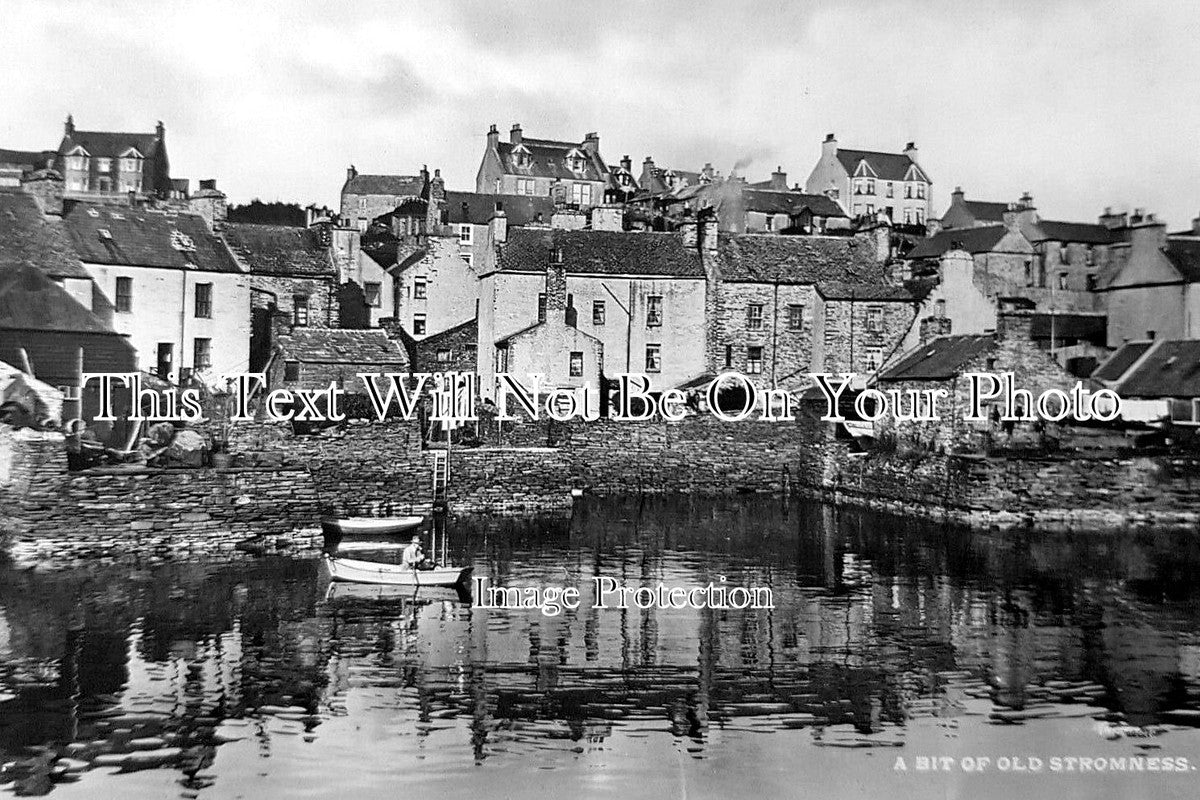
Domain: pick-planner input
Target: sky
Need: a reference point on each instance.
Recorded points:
(1082, 104)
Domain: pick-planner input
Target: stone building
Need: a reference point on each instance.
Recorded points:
(964, 213)
(15, 163)
(452, 350)
(1152, 287)
(941, 363)
(864, 182)
(641, 295)
(766, 316)
(858, 327)
(100, 165)
(572, 173)
(365, 197)
(312, 358)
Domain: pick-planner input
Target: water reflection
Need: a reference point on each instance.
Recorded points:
(207, 672)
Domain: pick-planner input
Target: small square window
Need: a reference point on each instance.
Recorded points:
(204, 300)
(754, 316)
(598, 312)
(419, 289)
(795, 317)
(875, 319)
(654, 313)
(291, 370)
(372, 294)
(201, 354)
(444, 356)
(754, 360)
(576, 364)
(418, 324)
(124, 295)
(653, 358)
(464, 234)
(300, 310)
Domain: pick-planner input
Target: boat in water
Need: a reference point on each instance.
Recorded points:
(363, 526)
(355, 571)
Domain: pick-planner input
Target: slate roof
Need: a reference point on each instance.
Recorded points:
(31, 301)
(972, 240)
(398, 185)
(769, 201)
(1184, 255)
(766, 258)
(1119, 362)
(548, 159)
(33, 159)
(479, 208)
(143, 238)
(887, 166)
(657, 182)
(986, 210)
(1082, 232)
(109, 144)
(882, 293)
(601, 252)
(279, 250)
(1170, 369)
(340, 346)
(29, 237)
(938, 360)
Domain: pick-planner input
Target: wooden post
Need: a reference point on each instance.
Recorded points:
(26, 364)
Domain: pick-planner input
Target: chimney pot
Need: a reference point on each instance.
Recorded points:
(830, 138)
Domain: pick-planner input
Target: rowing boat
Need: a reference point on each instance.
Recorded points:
(370, 525)
(354, 571)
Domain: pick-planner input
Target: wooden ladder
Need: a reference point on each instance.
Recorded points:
(441, 474)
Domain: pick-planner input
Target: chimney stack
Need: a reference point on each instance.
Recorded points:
(910, 150)
(779, 179)
(514, 136)
(437, 187)
(627, 163)
(591, 143)
(1113, 221)
(351, 173)
(498, 225)
(957, 195)
(556, 282)
(1014, 325)
(829, 147)
(493, 136)
(69, 126)
(46, 186)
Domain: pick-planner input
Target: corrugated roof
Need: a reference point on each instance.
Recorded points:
(973, 240)
(144, 238)
(766, 258)
(29, 237)
(940, 359)
(601, 252)
(888, 166)
(338, 346)
(398, 185)
(31, 301)
(1171, 369)
(279, 250)
(478, 209)
(1119, 362)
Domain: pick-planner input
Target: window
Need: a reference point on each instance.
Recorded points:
(444, 356)
(502, 359)
(418, 324)
(858, 187)
(890, 189)
(104, 165)
(300, 310)
(464, 234)
(795, 317)
(131, 165)
(1062, 280)
(1091, 283)
(870, 209)
(1089, 256)
(581, 194)
(467, 258)
(754, 318)
(201, 354)
(124, 295)
(541, 307)
(291, 370)
(770, 224)
(920, 191)
(204, 301)
(753, 360)
(873, 355)
(875, 319)
(362, 202)
(419, 289)
(908, 191)
(870, 186)
(654, 313)
(371, 294)
(77, 162)
(728, 356)
(525, 186)
(576, 364)
(362, 224)
(597, 312)
(939, 309)
(919, 216)
(653, 358)
(104, 184)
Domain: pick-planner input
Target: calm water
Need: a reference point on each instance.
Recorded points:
(888, 639)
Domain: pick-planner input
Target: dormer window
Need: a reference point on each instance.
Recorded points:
(521, 156)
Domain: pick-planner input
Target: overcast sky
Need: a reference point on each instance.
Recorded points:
(1084, 104)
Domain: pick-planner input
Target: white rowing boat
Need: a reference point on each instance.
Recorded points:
(371, 525)
(354, 571)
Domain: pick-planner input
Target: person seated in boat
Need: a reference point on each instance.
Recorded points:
(414, 557)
